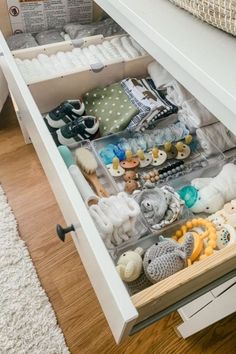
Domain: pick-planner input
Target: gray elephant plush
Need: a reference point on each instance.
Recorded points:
(166, 258)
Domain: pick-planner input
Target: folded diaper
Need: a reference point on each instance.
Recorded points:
(194, 115)
(21, 41)
(216, 135)
(49, 37)
(112, 107)
(107, 27)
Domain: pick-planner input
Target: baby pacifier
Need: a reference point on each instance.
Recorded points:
(131, 161)
(107, 154)
(189, 194)
(115, 169)
(170, 150)
(158, 157)
(183, 151)
(144, 158)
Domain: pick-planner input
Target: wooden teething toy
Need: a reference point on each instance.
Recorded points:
(201, 249)
(158, 157)
(115, 169)
(131, 162)
(144, 158)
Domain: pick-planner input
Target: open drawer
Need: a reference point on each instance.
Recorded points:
(125, 314)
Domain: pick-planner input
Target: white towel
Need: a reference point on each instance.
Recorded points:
(194, 115)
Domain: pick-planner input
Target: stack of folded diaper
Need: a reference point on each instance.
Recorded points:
(107, 27)
(122, 48)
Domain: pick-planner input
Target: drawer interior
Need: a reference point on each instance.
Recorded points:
(47, 95)
(165, 293)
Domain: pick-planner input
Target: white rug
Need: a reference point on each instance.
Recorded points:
(28, 323)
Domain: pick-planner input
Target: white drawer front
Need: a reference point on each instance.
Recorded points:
(110, 290)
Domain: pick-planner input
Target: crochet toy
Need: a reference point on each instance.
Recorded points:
(159, 206)
(210, 194)
(130, 264)
(166, 258)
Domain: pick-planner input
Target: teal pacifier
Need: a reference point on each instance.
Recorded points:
(189, 195)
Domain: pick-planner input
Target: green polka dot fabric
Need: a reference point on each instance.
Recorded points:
(111, 106)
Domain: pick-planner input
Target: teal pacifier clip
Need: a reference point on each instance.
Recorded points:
(189, 195)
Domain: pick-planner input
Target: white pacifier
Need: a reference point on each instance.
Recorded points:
(115, 169)
(183, 151)
(158, 157)
(145, 159)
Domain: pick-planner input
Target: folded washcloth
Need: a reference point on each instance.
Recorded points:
(194, 115)
(217, 134)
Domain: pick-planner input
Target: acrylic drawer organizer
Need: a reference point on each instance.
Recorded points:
(103, 175)
(148, 241)
(196, 162)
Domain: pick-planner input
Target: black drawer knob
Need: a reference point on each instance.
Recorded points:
(61, 232)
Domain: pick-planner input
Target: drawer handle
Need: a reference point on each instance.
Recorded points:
(61, 232)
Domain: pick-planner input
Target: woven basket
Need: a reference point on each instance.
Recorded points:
(219, 13)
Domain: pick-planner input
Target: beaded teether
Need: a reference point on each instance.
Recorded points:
(131, 162)
(115, 169)
(158, 157)
(152, 176)
(144, 158)
(170, 150)
(183, 151)
(201, 250)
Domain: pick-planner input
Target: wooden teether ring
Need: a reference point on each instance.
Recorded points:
(210, 233)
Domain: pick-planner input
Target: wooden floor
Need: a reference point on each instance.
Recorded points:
(62, 274)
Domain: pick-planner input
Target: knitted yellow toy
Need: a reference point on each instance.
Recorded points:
(201, 249)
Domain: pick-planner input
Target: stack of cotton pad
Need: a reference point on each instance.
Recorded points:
(43, 66)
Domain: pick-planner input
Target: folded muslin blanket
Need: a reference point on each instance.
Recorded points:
(216, 137)
(159, 75)
(112, 106)
(176, 93)
(194, 115)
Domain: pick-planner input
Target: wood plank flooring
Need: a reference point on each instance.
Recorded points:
(62, 274)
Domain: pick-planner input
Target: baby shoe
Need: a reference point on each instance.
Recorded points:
(65, 113)
(82, 128)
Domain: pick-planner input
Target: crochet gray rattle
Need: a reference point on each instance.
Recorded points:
(166, 257)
